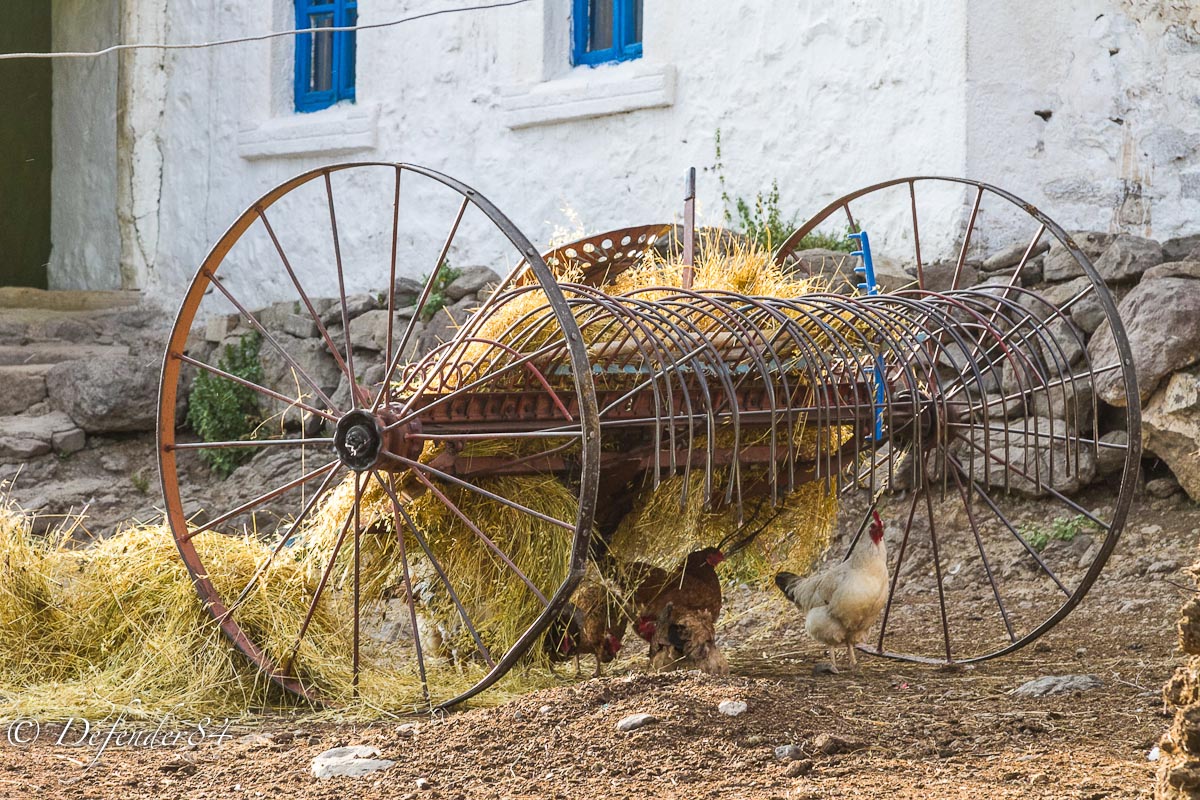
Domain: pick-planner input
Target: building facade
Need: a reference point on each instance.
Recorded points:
(1089, 109)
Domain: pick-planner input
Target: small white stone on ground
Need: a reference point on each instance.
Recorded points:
(424, 784)
(352, 762)
(732, 708)
(1153, 754)
(545, 709)
(1056, 684)
(635, 721)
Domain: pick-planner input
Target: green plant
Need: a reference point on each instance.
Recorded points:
(762, 219)
(220, 410)
(1063, 529)
(140, 482)
(437, 295)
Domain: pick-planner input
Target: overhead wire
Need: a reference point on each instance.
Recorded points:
(260, 37)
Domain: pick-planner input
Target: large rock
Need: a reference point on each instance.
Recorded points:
(1060, 265)
(1012, 255)
(1178, 248)
(23, 437)
(311, 355)
(21, 387)
(834, 266)
(1162, 322)
(1171, 428)
(113, 394)
(470, 280)
(1035, 454)
(1128, 257)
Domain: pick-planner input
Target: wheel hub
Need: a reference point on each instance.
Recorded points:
(358, 440)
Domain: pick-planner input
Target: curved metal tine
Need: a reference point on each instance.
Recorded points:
(912, 193)
(649, 348)
(282, 543)
(491, 376)
(887, 609)
(667, 332)
(357, 594)
(987, 567)
(737, 325)
(312, 311)
(937, 569)
(421, 301)
(391, 319)
(409, 595)
(479, 490)
(254, 387)
(711, 361)
(254, 323)
(397, 507)
(247, 443)
(286, 664)
(962, 254)
(454, 509)
(1013, 530)
(818, 385)
(262, 498)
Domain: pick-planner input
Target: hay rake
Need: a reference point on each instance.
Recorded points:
(969, 398)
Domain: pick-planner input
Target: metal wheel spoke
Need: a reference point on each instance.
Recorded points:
(987, 567)
(409, 595)
(254, 323)
(937, 569)
(479, 490)
(887, 609)
(982, 492)
(387, 350)
(454, 509)
(282, 543)
(291, 402)
(312, 311)
(337, 258)
(441, 573)
(421, 301)
(247, 443)
(289, 662)
(357, 584)
(262, 498)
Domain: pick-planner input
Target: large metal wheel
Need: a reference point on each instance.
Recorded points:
(1011, 412)
(331, 237)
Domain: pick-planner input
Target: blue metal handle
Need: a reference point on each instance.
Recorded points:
(870, 287)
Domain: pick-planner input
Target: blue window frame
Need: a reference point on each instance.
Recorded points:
(606, 30)
(324, 59)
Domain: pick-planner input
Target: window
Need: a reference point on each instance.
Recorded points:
(324, 59)
(607, 30)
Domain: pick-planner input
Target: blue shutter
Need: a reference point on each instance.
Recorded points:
(325, 70)
(620, 33)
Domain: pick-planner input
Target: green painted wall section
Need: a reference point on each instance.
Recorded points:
(25, 100)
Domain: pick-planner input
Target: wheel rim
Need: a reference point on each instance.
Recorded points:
(374, 435)
(967, 583)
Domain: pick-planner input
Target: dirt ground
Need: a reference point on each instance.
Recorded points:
(898, 729)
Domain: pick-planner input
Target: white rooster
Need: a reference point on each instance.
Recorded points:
(841, 603)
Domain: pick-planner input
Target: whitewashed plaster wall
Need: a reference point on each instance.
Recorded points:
(821, 100)
(821, 97)
(1119, 83)
(85, 243)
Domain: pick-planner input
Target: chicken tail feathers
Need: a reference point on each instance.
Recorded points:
(784, 580)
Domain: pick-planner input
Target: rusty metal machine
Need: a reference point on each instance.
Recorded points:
(963, 398)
